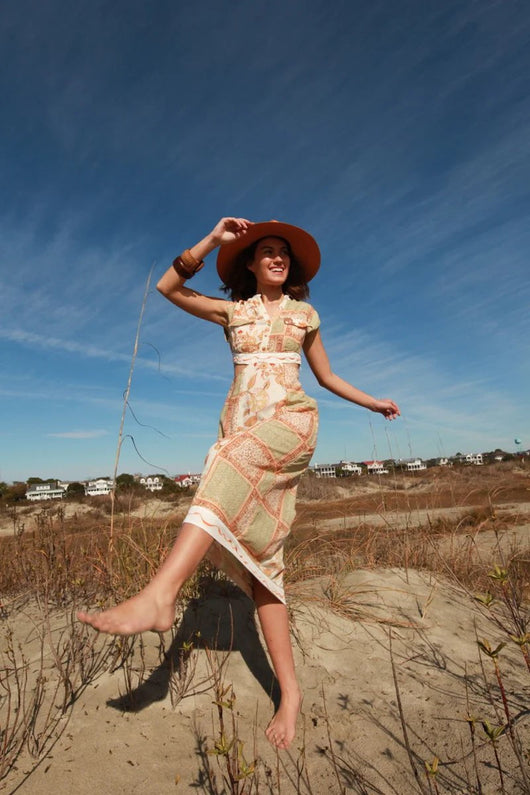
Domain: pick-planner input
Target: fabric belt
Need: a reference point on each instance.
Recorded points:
(257, 357)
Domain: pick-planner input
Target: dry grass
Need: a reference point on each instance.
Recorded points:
(450, 548)
(439, 487)
(366, 522)
(58, 562)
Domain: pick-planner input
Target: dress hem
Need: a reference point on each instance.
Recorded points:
(207, 520)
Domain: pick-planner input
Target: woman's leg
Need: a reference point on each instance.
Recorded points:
(154, 607)
(274, 620)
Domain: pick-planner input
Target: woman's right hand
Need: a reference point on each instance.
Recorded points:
(230, 229)
(387, 408)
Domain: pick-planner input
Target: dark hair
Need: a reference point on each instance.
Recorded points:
(241, 282)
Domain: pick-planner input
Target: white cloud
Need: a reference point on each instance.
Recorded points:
(96, 434)
(30, 339)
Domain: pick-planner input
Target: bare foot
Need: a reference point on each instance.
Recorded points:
(147, 610)
(282, 728)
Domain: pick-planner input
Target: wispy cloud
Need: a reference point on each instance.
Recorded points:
(96, 434)
(33, 340)
(430, 400)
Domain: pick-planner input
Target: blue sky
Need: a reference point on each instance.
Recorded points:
(398, 134)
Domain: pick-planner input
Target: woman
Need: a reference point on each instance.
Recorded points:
(243, 509)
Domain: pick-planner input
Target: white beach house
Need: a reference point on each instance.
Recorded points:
(416, 466)
(325, 470)
(375, 468)
(96, 488)
(351, 468)
(45, 491)
(152, 483)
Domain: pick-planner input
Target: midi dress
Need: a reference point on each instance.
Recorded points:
(267, 435)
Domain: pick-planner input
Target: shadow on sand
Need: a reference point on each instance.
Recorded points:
(222, 619)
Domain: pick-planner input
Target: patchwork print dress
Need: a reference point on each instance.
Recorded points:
(267, 435)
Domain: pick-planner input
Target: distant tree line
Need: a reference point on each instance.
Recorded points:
(125, 483)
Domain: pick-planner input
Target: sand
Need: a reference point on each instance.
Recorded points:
(350, 732)
(386, 658)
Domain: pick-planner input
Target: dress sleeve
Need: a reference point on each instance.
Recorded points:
(230, 311)
(314, 321)
(230, 314)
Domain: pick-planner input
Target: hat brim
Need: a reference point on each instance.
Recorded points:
(304, 247)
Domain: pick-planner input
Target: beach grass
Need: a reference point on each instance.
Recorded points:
(464, 529)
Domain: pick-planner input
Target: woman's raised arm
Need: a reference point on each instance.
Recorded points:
(171, 285)
(319, 363)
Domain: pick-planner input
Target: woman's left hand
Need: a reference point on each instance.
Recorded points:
(387, 408)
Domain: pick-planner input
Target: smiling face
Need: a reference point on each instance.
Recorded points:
(271, 261)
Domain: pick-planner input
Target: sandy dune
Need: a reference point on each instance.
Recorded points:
(350, 730)
(368, 645)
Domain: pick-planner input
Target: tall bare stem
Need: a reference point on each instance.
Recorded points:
(124, 411)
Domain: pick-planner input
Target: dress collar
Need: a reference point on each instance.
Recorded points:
(258, 299)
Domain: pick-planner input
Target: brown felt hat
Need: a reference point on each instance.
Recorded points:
(303, 246)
